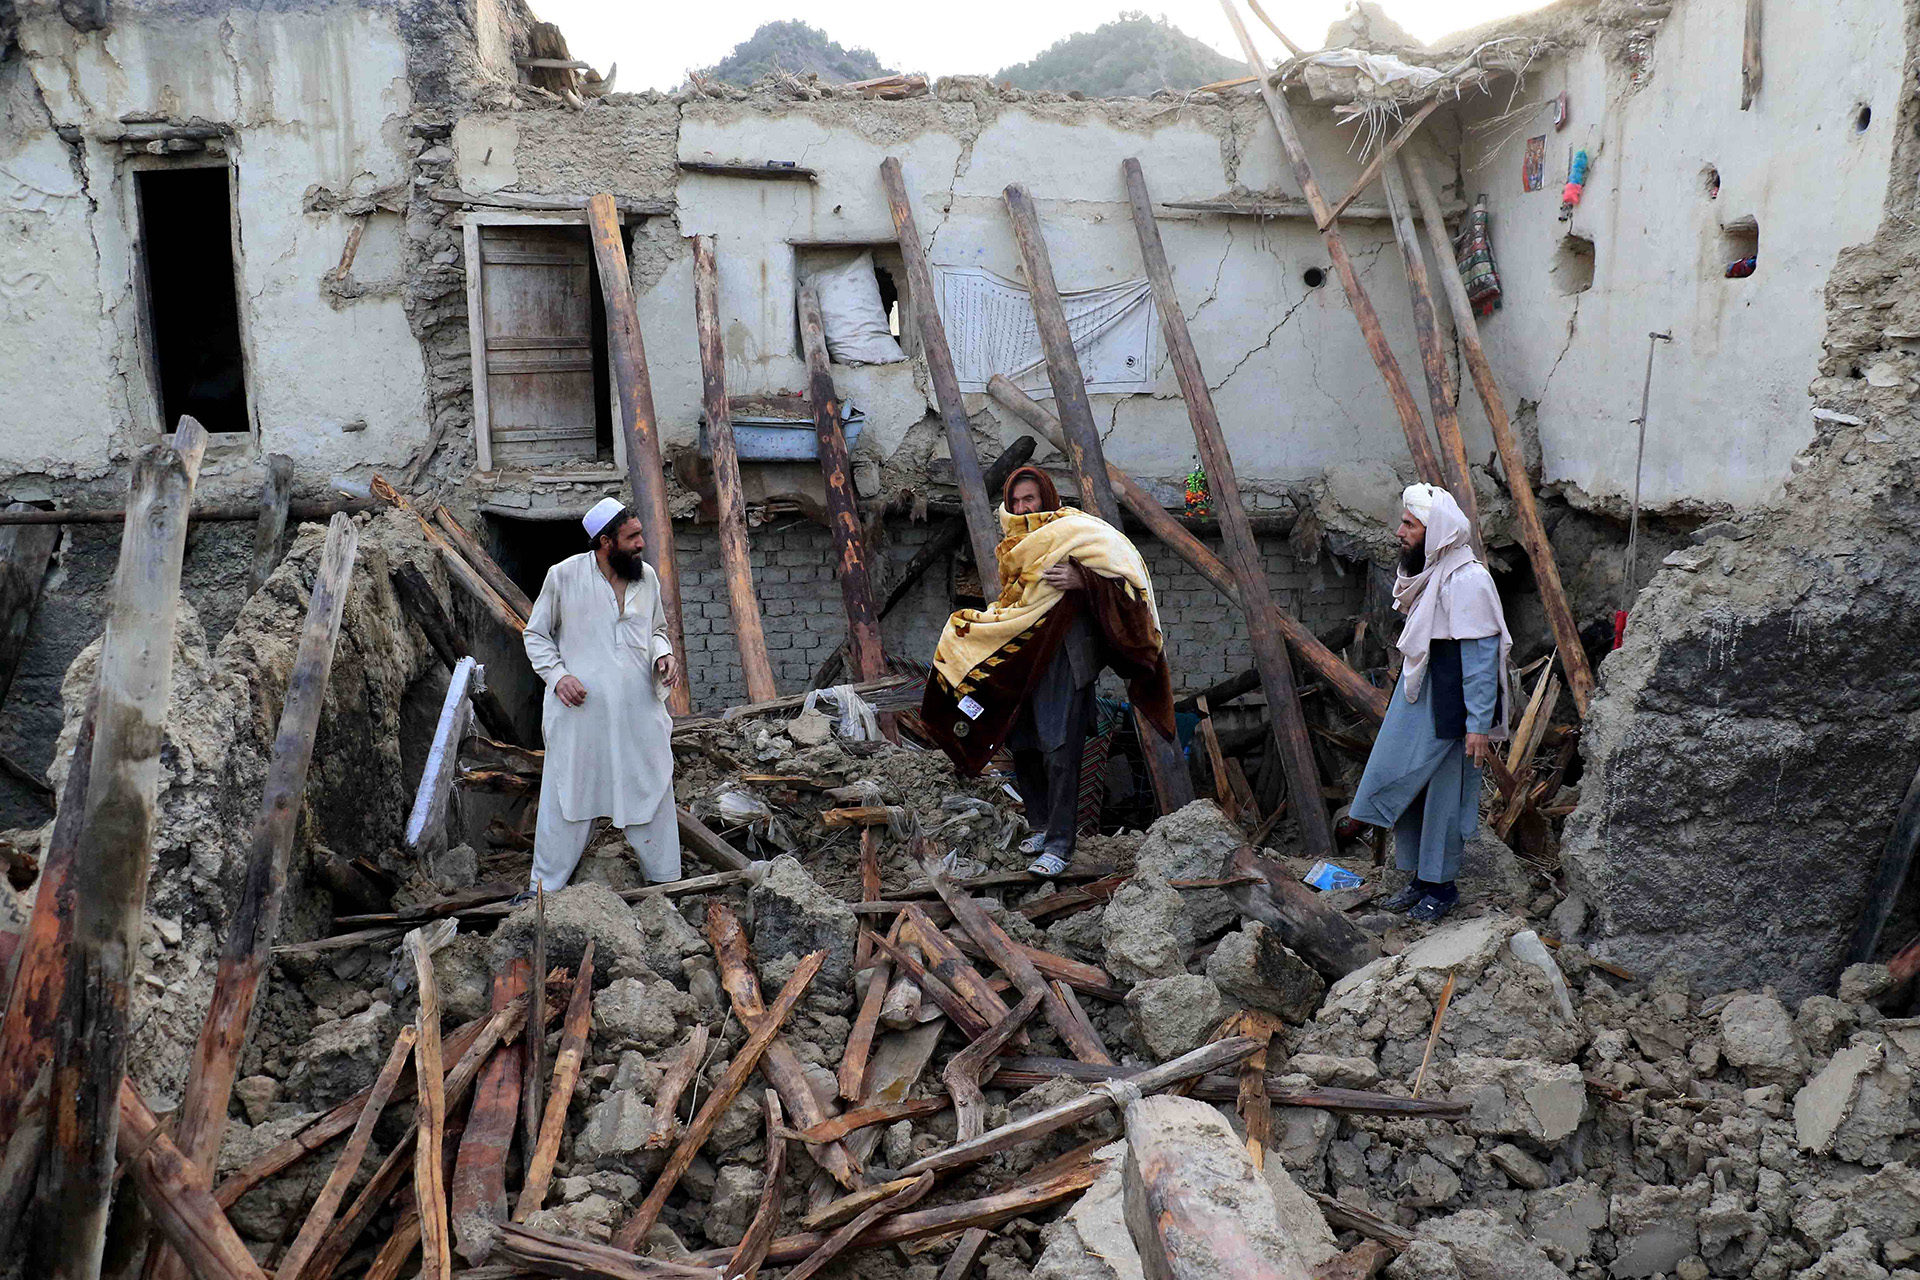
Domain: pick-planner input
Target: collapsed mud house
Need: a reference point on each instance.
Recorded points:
(358, 238)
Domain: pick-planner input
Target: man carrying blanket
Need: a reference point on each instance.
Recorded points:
(1075, 598)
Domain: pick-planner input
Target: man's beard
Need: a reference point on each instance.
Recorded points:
(622, 563)
(1413, 559)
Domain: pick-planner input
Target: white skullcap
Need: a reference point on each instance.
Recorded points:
(1418, 501)
(603, 511)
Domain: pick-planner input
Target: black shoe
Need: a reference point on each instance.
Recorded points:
(521, 898)
(1410, 896)
(1431, 910)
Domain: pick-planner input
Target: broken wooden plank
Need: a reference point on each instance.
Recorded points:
(769, 171)
(566, 1073)
(856, 587)
(269, 534)
(749, 1056)
(1172, 788)
(202, 1119)
(835, 1244)
(976, 500)
(970, 1021)
(426, 825)
(859, 1118)
(114, 856)
(1526, 510)
(1079, 1012)
(853, 1060)
(1221, 1054)
(543, 1253)
(1348, 683)
(946, 962)
(1411, 423)
(1025, 1073)
(320, 1216)
(966, 1069)
(730, 506)
(1086, 895)
(752, 1249)
(1222, 789)
(964, 1254)
(666, 1100)
(1012, 961)
(476, 555)
(477, 1195)
(429, 1185)
(174, 1192)
(423, 606)
(633, 386)
(1267, 637)
(781, 1065)
(465, 575)
(1323, 937)
(298, 513)
(710, 848)
(1346, 1217)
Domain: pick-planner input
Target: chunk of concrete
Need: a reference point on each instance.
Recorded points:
(1334, 1071)
(1090, 1241)
(1565, 1217)
(1172, 1016)
(641, 1013)
(668, 938)
(1757, 1036)
(1479, 1245)
(1256, 968)
(1653, 1228)
(341, 1057)
(1517, 1097)
(793, 915)
(1522, 1168)
(1823, 1102)
(1191, 844)
(1145, 932)
(736, 1198)
(1196, 1207)
(574, 915)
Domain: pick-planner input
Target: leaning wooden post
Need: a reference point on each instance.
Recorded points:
(24, 552)
(1243, 549)
(116, 851)
(1376, 338)
(644, 471)
(202, 1119)
(1526, 512)
(856, 588)
(1172, 786)
(975, 501)
(275, 494)
(1433, 356)
(174, 1190)
(731, 503)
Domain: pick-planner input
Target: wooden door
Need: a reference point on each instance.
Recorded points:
(530, 301)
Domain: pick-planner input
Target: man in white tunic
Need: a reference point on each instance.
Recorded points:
(598, 638)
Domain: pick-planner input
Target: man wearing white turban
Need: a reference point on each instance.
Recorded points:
(598, 638)
(1451, 704)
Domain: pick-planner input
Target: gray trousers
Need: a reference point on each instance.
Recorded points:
(1049, 781)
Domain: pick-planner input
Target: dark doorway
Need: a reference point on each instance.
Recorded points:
(526, 549)
(193, 312)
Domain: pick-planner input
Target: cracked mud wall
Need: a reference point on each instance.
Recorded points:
(1654, 99)
(1758, 729)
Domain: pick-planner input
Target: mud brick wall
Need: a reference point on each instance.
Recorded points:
(793, 567)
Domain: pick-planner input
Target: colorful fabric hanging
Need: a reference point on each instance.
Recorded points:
(1199, 500)
(1473, 250)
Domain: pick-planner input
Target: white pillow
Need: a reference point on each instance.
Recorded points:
(856, 323)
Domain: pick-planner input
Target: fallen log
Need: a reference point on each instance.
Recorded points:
(427, 824)
(566, 1073)
(1347, 1217)
(961, 1261)
(477, 1196)
(708, 846)
(92, 1033)
(1224, 1053)
(476, 555)
(636, 1227)
(780, 1065)
(174, 1191)
(752, 1249)
(458, 569)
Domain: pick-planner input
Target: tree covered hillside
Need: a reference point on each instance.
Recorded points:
(1132, 56)
(799, 48)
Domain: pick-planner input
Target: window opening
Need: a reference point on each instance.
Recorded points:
(193, 302)
(1740, 248)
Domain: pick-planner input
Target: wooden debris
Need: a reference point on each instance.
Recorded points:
(853, 1060)
(320, 1216)
(533, 1106)
(865, 815)
(634, 387)
(1225, 1053)
(961, 1261)
(476, 555)
(269, 535)
(709, 847)
(636, 1227)
(1346, 1217)
(781, 1066)
(566, 1073)
(971, 1023)
(1323, 937)
(174, 1191)
(458, 569)
(202, 1119)
(429, 1186)
(863, 1117)
(417, 598)
(1222, 790)
(867, 689)
(1255, 1105)
(427, 824)
(946, 962)
(969, 1067)
(1075, 899)
(1380, 157)
(730, 506)
(544, 1253)
(1362, 1262)
(838, 1212)
(90, 1036)
(1024, 1073)
(666, 1100)
(752, 1249)
(1433, 1035)
(477, 1195)
(831, 1248)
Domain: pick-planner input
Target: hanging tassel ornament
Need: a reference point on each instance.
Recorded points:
(1199, 501)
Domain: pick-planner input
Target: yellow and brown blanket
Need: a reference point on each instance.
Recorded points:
(988, 659)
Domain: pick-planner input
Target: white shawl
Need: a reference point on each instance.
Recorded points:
(1451, 598)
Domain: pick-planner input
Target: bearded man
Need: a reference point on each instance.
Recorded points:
(1075, 598)
(1423, 776)
(598, 638)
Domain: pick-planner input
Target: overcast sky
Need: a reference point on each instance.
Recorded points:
(655, 44)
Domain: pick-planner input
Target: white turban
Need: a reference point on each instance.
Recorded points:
(1418, 501)
(603, 511)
